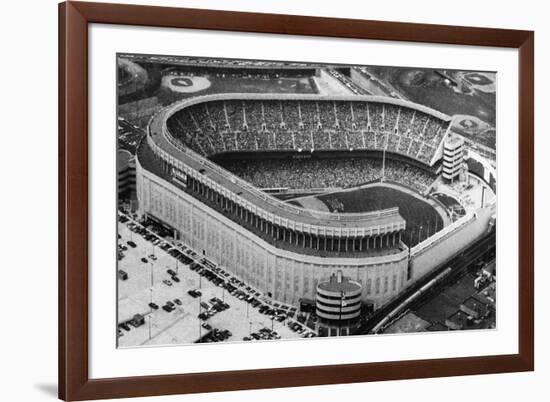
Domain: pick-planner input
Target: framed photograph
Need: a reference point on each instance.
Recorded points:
(259, 200)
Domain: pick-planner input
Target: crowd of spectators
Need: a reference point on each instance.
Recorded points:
(327, 173)
(250, 125)
(409, 175)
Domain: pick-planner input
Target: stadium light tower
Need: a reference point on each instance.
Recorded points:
(342, 304)
(135, 90)
(199, 321)
(383, 164)
(384, 157)
(428, 229)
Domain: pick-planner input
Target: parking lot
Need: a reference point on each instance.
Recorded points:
(169, 295)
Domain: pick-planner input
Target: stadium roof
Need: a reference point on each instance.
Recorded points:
(175, 107)
(337, 285)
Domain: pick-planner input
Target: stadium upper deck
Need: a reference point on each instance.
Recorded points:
(307, 123)
(178, 153)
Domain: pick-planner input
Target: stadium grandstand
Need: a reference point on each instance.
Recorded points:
(308, 123)
(327, 173)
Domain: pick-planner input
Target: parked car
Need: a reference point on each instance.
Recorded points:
(131, 244)
(175, 279)
(167, 282)
(178, 302)
(144, 260)
(124, 326)
(194, 293)
(122, 275)
(138, 320)
(154, 306)
(171, 272)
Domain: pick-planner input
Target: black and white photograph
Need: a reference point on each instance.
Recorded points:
(265, 200)
(278, 200)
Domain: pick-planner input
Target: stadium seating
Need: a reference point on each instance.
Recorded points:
(250, 125)
(327, 173)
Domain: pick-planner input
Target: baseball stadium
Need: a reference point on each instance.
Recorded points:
(288, 188)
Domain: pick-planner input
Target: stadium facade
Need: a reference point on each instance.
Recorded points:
(283, 250)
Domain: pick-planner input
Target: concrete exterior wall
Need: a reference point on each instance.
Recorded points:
(286, 275)
(454, 238)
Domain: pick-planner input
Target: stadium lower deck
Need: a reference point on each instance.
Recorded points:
(330, 175)
(327, 172)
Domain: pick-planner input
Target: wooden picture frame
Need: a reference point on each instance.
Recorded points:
(74, 381)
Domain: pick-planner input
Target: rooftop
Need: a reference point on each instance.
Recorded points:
(339, 283)
(124, 158)
(475, 305)
(488, 295)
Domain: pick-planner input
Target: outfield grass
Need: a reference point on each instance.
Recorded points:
(415, 211)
